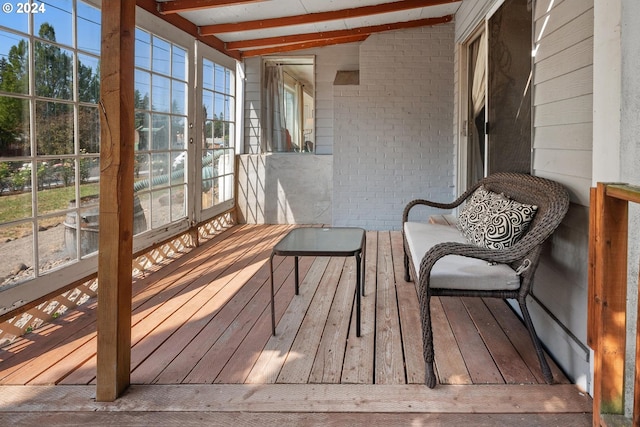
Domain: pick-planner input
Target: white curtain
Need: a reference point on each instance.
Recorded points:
(479, 88)
(478, 94)
(274, 125)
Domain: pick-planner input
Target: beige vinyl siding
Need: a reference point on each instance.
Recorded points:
(563, 94)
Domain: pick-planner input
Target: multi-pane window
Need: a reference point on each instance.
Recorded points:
(218, 108)
(49, 137)
(161, 129)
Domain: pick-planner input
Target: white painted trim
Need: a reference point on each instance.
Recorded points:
(607, 90)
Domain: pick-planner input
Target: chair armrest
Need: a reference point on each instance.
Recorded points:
(457, 202)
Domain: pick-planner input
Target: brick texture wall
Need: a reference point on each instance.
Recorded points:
(393, 136)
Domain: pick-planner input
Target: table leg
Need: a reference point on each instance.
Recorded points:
(358, 292)
(273, 310)
(364, 264)
(296, 272)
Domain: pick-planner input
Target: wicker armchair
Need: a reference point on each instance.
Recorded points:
(522, 257)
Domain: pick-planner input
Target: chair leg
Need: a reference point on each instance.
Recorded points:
(427, 343)
(544, 366)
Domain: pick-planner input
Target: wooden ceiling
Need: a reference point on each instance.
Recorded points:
(244, 28)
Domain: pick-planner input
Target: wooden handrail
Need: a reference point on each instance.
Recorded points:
(609, 230)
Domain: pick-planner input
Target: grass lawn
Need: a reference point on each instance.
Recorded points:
(18, 206)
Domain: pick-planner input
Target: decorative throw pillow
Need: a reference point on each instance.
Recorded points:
(494, 221)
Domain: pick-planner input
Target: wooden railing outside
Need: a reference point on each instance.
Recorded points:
(609, 233)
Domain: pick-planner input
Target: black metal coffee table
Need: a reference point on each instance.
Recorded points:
(315, 241)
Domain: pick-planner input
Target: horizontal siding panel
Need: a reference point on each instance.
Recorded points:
(571, 85)
(575, 31)
(569, 111)
(578, 187)
(561, 15)
(571, 59)
(568, 162)
(469, 15)
(577, 136)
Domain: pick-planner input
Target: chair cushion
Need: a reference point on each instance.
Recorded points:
(493, 221)
(455, 271)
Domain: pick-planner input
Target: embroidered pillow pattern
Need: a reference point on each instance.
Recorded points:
(494, 221)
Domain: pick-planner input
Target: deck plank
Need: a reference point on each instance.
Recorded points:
(513, 369)
(409, 312)
(450, 364)
(274, 355)
(359, 353)
(389, 361)
(246, 354)
(517, 333)
(299, 363)
(479, 362)
(296, 398)
(327, 366)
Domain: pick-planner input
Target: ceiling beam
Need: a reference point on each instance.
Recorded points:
(301, 38)
(186, 26)
(320, 16)
(305, 45)
(177, 6)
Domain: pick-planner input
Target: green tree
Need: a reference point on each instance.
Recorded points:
(14, 112)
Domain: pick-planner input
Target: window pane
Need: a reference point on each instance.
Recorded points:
(161, 208)
(179, 63)
(15, 177)
(229, 140)
(88, 78)
(143, 49)
(161, 56)
(17, 252)
(59, 176)
(14, 65)
(54, 128)
(89, 170)
(89, 129)
(179, 98)
(58, 12)
(207, 194)
(207, 104)
(159, 132)
(14, 127)
(88, 28)
(53, 71)
(178, 206)
(51, 244)
(142, 90)
(88, 224)
(207, 74)
(160, 96)
(178, 131)
(220, 84)
(160, 167)
(219, 107)
(142, 135)
(177, 176)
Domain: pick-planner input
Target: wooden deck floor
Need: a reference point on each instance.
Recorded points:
(202, 335)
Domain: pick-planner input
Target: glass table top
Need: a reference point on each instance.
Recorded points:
(331, 241)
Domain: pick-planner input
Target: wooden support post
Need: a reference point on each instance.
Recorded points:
(116, 198)
(607, 310)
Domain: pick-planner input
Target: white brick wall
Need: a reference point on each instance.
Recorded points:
(393, 139)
